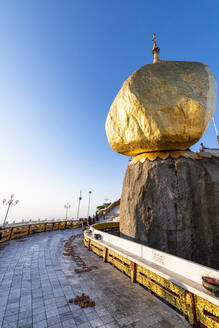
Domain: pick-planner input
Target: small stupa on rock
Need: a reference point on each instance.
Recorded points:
(170, 198)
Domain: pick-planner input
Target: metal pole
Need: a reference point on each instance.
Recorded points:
(215, 126)
(67, 206)
(217, 136)
(88, 210)
(80, 198)
(9, 204)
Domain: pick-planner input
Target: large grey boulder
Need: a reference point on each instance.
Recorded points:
(173, 205)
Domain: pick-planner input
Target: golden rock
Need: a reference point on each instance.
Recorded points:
(162, 106)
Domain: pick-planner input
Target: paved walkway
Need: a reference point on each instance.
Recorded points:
(36, 281)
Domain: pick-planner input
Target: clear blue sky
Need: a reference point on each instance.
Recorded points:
(61, 65)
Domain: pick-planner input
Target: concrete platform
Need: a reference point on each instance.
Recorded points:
(36, 281)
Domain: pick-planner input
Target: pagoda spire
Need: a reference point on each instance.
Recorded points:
(155, 50)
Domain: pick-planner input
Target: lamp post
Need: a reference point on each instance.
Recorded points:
(67, 206)
(80, 198)
(88, 210)
(9, 203)
(217, 136)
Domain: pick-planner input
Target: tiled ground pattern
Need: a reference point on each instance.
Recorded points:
(36, 281)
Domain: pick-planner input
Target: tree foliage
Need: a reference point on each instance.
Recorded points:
(102, 207)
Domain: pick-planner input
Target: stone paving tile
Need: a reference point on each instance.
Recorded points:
(41, 324)
(36, 282)
(92, 315)
(107, 318)
(53, 320)
(66, 316)
(39, 317)
(56, 325)
(84, 325)
(96, 323)
(80, 320)
(6, 324)
(112, 325)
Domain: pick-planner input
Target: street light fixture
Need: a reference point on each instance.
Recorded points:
(10, 202)
(67, 206)
(88, 210)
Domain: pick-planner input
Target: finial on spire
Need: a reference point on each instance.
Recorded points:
(155, 50)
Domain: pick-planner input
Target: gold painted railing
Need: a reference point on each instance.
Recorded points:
(107, 226)
(198, 311)
(28, 229)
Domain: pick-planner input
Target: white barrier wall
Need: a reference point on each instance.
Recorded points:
(114, 213)
(188, 269)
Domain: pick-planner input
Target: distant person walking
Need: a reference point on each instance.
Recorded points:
(202, 147)
(84, 223)
(89, 220)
